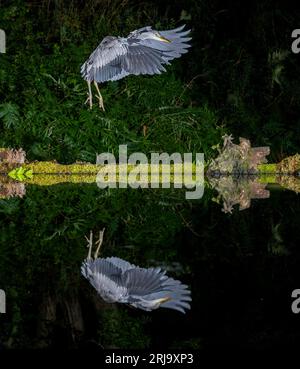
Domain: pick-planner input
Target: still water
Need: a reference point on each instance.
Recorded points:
(241, 265)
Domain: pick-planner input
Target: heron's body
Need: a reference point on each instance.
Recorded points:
(116, 280)
(144, 51)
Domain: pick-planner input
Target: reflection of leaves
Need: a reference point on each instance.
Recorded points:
(59, 232)
(276, 245)
(12, 189)
(70, 227)
(276, 234)
(185, 16)
(119, 329)
(277, 73)
(9, 207)
(238, 190)
(276, 59)
(20, 174)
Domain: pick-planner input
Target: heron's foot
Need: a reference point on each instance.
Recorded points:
(99, 243)
(101, 104)
(89, 100)
(90, 244)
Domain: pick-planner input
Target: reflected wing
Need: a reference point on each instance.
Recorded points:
(179, 295)
(104, 277)
(152, 284)
(100, 266)
(120, 263)
(141, 282)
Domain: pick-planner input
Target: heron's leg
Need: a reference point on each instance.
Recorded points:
(90, 244)
(99, 96)
(99, 243)
(90, 97)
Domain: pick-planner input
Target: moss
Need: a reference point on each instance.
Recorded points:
(291, 164)
(52, 167)
(267, 168)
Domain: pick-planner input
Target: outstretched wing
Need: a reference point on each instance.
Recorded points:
(104, 62)
(179, 294)
(105, 277)
(136, 54)
(154, 53)
(120, 263)
(141, 281)
(152, 284)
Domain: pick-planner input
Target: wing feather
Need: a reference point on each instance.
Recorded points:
(135, 54)
(152, 284)
(140, 281)
(116, 280)
(105, 277)
(99, 266)
(120, 263)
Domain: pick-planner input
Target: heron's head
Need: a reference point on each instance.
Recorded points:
(150, 304)
(154, 35)
(109, 295)
(160, 301)
(107, 40)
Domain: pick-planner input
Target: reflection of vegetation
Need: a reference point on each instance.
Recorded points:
(11, 189)
(276, 245)
(45, 242)
(114, 321)
(234, 190)
(42, 248)
(239, 173)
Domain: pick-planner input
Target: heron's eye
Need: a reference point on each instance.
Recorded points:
(90, 62)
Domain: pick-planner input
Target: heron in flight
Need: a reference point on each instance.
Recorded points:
(144, 51)
(116, 280)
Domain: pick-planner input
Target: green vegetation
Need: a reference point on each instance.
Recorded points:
(43, 94)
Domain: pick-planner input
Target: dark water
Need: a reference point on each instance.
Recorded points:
(241, 268)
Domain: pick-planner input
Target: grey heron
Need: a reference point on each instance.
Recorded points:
(116, 280)
(144, 51)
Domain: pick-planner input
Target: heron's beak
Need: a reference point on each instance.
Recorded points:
(164, 299)
(162, 38)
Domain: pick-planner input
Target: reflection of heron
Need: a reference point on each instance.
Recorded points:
(116, 280)
(144, 51)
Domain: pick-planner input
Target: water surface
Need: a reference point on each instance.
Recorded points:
(241, 267)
